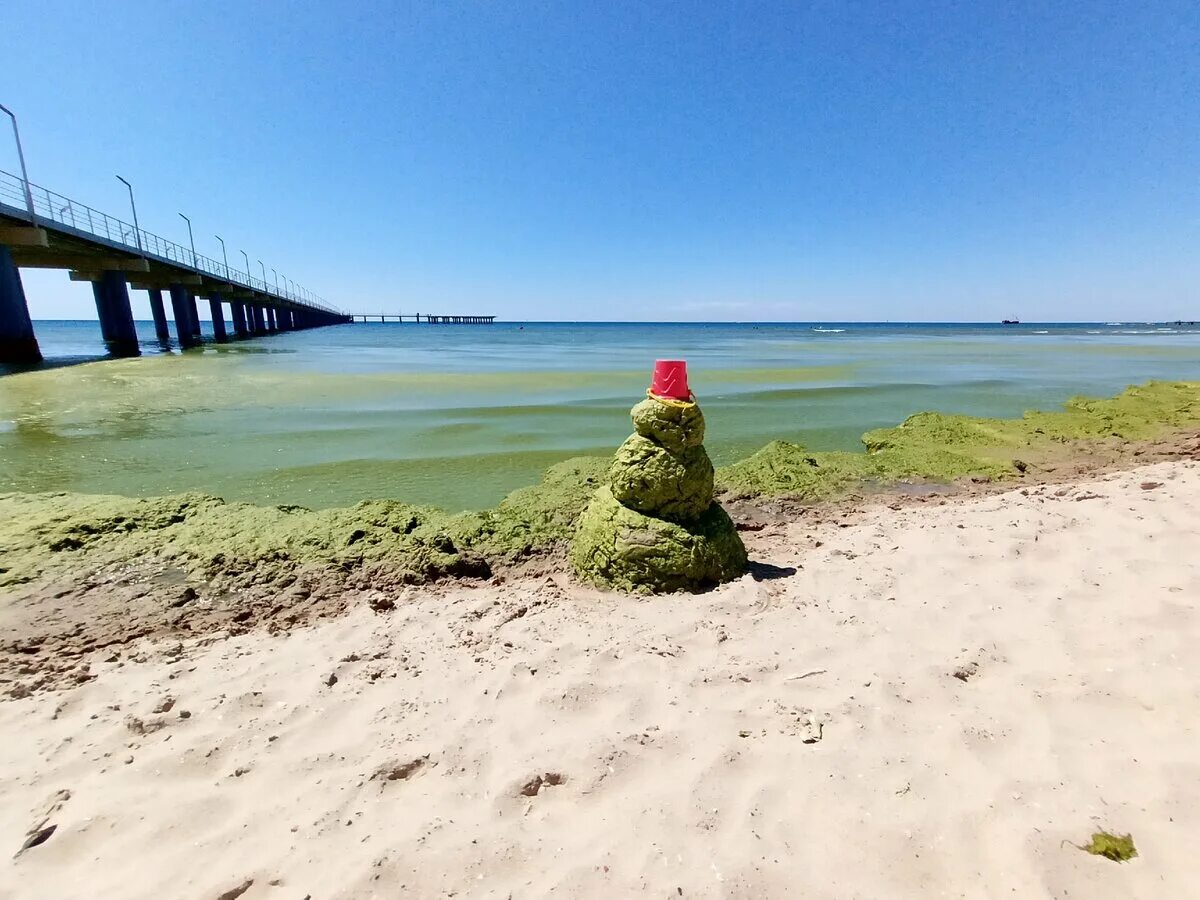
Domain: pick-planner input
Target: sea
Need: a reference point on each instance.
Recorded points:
(458, 416)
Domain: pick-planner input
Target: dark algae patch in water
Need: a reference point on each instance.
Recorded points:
(377, 543)
(1117, 847)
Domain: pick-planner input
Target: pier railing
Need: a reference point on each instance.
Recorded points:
(53, 207)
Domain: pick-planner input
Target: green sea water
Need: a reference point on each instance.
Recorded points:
(457, 416)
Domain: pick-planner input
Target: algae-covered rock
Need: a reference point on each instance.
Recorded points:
(621, 548)
(647, 477)
(675, 427)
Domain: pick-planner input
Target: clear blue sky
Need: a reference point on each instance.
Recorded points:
(634, 160)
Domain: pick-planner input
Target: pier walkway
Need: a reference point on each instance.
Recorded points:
(44, 230)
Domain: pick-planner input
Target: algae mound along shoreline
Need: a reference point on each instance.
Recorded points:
(238, 545)
(943, 447)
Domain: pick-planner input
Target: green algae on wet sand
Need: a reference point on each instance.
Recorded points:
(381, 542)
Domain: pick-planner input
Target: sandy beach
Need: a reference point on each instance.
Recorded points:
(908, 699)
(511, 451)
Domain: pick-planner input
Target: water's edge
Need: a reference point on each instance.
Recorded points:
(238, 546)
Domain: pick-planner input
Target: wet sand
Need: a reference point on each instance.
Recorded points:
(933, 697)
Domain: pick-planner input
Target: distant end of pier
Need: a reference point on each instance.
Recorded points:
(423, 317)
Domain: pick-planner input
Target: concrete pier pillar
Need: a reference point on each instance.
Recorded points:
(116, 315)
(101, 300)
(195, 317)
(218, 318)
(272, 322)
(285, 321)
(239, 319)
(182, 304)
(259, 324)
(160, 317)
(18, 344)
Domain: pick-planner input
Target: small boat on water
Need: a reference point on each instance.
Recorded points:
(1011, 322)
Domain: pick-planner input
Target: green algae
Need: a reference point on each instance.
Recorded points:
(532, 519)
(649, 478)
(786, 469)
(210, 538)
(620, 548)
(241, 544)
(1118, 848)
(943, 447)
(676, 428)
(783, 468)
(1139, 413)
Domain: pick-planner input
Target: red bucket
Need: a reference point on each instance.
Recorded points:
(670, 380)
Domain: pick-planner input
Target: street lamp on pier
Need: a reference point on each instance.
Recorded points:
(276, 274)
(264, 271)
(137, 232)
(191, 240)
(223, 255)
(249, 277)
(21, 157)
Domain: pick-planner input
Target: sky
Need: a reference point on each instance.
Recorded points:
(828, 161)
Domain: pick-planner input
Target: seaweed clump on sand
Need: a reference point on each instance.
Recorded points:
(654, 526)
(1117, 847)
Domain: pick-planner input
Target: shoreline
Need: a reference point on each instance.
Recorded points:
(81, 574)
(909, 695)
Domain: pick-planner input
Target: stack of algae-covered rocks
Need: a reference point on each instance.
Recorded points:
(654, 526)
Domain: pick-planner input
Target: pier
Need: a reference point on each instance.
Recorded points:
(44, 230)
(423, 317)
